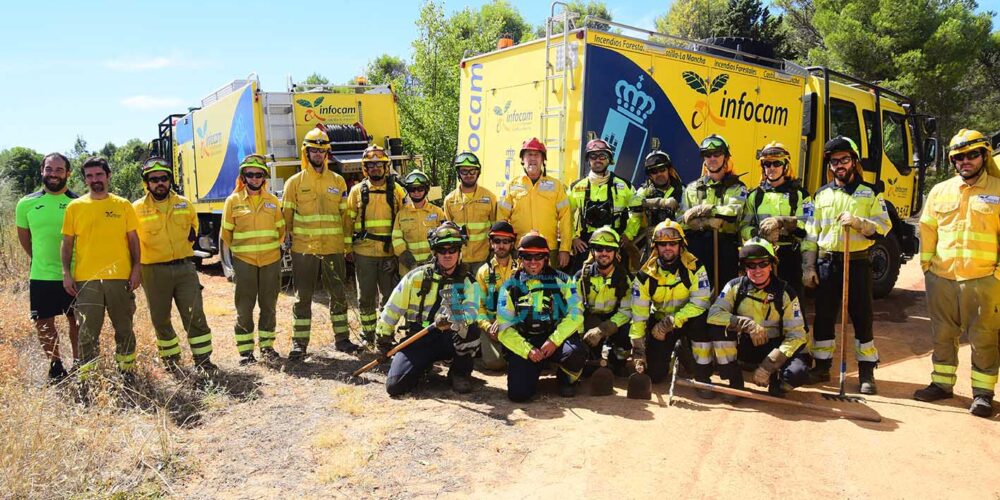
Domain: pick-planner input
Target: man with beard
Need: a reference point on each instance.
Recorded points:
(844, 202)
(540, 318)
(776, 211)
(537, 202)
(314, 202)
(253, 228)
(660, 196)
(472, 207)
(99, 230)
(670, 297)
(415, 220)
(439, 296)
(757, 325)
(371, 210)
(605, 287)
(958, 235)
(39, 219)
(602, 199)
(712, 209)
(168, 225)
(490, 278)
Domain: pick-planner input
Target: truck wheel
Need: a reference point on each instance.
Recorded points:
(226, 260)
(886, 260)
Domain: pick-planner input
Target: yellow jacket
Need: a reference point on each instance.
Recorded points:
(683, 292)
(313, 205)
(542, 206)
(787, 324)
(377, 218)
(253, 229)
(823, 232)
(490, 278)
(960, 229)
(409, 232)
(163, 237)
(476, 212)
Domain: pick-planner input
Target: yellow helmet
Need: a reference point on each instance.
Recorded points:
(668, 230)
(605, 237)
(316, 138)
(776, 151)
(967, 140)
(374, 155)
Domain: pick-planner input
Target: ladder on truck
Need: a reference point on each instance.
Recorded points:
(558, 67)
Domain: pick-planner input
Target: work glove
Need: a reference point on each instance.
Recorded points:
(774, 361)
(407, 260)
(660, 204)
(788, 224)
(696, 224)
(698, 212)
(595, 335)
(639, 354)
(446, 320)
(714, 223)
(859, 224)
(770, 229)
(744, 324)
(663, 328)
(809, 277)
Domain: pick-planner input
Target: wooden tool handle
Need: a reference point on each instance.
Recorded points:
(781, 401)
(392, 352)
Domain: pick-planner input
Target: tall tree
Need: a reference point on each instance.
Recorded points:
(316, 79)
(751, 19)
(581, 9)
(21, 167)
(692, 19)
(386, 69)
(801, 34)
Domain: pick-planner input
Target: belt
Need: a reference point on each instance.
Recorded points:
(170, 262)
(859, 255)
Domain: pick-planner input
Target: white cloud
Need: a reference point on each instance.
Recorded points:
(146, 102)
(148, 63)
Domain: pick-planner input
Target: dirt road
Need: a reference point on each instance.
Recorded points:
(307, 431)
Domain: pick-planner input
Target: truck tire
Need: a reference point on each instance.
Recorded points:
(226, 260)
(886, 261)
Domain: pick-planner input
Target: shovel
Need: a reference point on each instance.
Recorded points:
(842, 395)
(673, 371)
(602, 381)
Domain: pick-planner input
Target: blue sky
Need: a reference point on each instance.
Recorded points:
(110, 71)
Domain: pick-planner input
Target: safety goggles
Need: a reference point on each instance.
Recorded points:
(758, 264)
(533, 256)
(773, 164)
(843, 161)
(971, 155)
(254, 175)
(254, 161)
(467, 159)
(662, 244)
(156, 179)
(598, 155)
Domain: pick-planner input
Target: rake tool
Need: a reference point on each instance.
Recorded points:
(842, 395)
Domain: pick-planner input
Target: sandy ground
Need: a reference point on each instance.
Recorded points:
(307, 430)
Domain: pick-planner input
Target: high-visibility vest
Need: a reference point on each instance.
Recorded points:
(825, 233)
(164, 237)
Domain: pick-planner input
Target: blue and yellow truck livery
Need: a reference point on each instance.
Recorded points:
(654, 91)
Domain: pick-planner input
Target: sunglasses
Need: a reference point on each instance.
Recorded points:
(376, 164)
(501, 241)
(712, 154)
(757, 265)
(415, 189)
(447, 250)
(158, 179)
(254, 175)
(843, 161)
(667, 243)
(600, 249)
(467, 171)
(598, 156)
(655, 170)
(971, 155)
(534, 256)
(772, 164)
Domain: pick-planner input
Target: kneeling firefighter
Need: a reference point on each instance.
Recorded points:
(605, 289)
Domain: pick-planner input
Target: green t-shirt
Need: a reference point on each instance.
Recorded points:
(42, 214)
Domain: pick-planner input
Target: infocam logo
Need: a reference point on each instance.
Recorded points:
(512, 119)
(208, 143)
(741, 108)
(316, 111)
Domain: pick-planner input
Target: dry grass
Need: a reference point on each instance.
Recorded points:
(349, 399)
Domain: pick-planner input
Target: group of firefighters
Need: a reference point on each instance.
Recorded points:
(543, 276)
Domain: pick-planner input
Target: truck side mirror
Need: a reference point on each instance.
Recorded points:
(930, 151)
(930, 125)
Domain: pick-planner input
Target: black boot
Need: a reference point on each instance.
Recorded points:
(703, 374)
(298, 352)
(866, 378)
(732, 373)
(56, 371)
(931, 393)
(982, 405)
(345, 345)
(820, 372)
(567, 388)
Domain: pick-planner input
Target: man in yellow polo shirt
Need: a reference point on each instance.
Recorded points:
(472, 207)
(253, 228)
(100, 229)
(168, 224)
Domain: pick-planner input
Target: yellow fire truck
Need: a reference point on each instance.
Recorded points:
(640, 91)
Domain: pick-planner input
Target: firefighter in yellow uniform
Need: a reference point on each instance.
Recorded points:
(605, 288)
(253, 228)
(314, 203)
(960, 237)
(776, 211)
(490, 277)
(712, 209)
(371, 210)
(659, 198)
(757, 325)
(168, 225)
(413, 222)
(537, 202)
(845, 201)
(472, 207)
(603, 199)
(670, 297)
